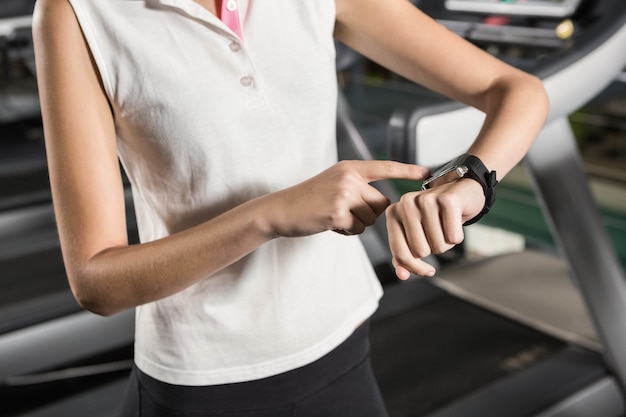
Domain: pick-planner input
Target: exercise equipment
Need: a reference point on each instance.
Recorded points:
(575, 379)
(550, 376)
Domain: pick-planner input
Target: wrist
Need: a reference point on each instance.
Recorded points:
(470, 167)
(264, 216)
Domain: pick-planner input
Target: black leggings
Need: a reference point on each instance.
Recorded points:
(339, 384)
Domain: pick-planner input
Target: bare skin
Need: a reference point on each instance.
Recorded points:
(409, 43)
(107, 275)
(211, 5)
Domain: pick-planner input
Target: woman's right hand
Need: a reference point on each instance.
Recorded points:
(339, 199)
(105, 272)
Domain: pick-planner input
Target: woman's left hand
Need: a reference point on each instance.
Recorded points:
(430, 222)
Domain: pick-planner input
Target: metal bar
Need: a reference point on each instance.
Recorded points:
(562, 186)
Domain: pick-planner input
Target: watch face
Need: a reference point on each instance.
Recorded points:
(451, 171)
(445, 176)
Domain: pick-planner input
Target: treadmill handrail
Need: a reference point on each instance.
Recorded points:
(613, 18)
(66, 339)
(576, 84)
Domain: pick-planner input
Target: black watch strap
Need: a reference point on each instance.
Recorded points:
(467, 166)
(477, 171)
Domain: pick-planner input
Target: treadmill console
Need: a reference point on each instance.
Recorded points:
(520, 32)
(542, 8)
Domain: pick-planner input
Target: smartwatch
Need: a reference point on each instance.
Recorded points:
(467, 166)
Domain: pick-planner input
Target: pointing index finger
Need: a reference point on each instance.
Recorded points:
(382, 170)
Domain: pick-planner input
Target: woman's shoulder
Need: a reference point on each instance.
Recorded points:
(50, 15)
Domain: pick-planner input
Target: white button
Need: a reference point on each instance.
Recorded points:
(246, 81)
(231, 5)
(234, 46)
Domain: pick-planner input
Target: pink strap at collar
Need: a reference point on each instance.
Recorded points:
(230, 16)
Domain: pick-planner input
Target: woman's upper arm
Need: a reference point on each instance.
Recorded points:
(399, 36)
(80, 138)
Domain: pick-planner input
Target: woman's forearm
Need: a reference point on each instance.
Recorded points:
(123, 277)
(516, 108)
(338, 199)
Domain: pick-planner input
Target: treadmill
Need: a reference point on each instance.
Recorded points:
(50, 340)
(18, 86)
(444, 347)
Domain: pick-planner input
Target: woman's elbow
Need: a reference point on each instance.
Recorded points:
(92, 298)
(521, 89)
(535, 86)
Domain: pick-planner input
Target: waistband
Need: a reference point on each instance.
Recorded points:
(271, 391)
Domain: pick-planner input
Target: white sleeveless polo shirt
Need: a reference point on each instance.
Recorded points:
(206, 121)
